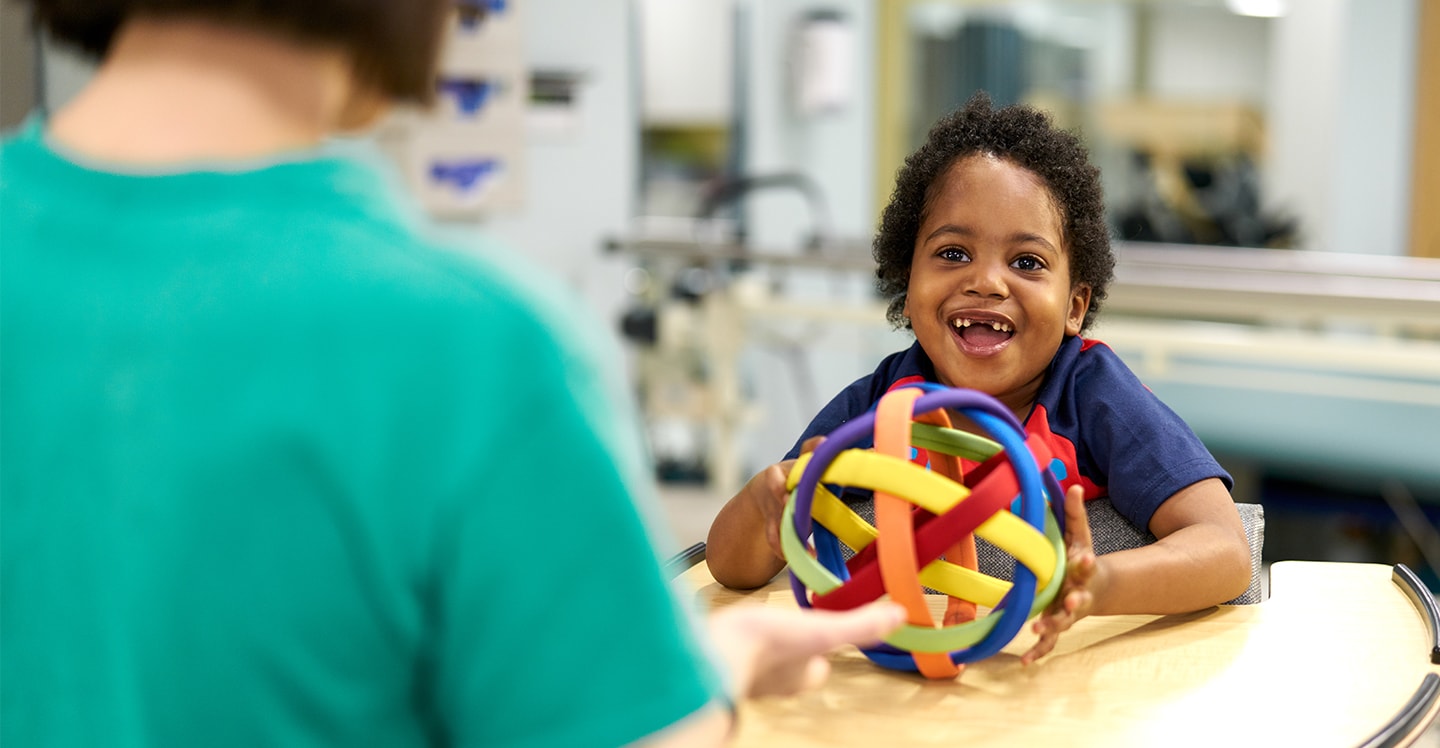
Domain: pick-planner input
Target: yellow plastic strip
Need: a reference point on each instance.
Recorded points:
(877, 472)
(833, 515)
(957, 581)
(1014, 536)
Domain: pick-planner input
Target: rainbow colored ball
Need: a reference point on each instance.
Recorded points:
(928, 511)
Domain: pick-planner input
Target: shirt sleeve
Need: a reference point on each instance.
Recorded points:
(1142, 451)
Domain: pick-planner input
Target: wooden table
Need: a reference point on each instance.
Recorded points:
(1338, 656)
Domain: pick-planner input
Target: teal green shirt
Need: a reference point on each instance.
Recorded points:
(278, 472)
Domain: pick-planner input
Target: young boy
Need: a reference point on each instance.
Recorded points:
(994, 252)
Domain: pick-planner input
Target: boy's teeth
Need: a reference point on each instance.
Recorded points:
(994, 324)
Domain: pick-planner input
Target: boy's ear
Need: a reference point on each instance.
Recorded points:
(1079, 305)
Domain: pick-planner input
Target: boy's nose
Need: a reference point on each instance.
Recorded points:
(984, 279)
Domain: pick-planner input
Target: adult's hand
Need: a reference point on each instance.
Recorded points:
(780, 651)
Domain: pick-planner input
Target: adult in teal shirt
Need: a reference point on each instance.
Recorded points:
(277, 470)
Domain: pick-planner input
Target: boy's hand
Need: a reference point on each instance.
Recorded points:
(767, 494)
(743, 546)
(1083, 577)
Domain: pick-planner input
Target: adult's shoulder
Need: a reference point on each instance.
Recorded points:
(447, 290)
(500, 281)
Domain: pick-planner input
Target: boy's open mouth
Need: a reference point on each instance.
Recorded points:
(982, 335)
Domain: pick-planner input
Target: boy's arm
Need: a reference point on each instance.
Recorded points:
(1201, 557)
(743, 547)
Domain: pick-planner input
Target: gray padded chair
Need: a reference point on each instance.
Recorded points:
(1112, 532)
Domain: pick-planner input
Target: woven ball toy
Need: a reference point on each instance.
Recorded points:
(926, 520)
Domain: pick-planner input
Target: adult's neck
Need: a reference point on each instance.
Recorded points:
(172, 92)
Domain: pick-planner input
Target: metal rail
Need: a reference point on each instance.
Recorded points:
(1245, 285)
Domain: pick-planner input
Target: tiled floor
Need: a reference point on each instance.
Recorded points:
(689, 509)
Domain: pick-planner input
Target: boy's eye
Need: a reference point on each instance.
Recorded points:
(953, 255)
(1027, 262)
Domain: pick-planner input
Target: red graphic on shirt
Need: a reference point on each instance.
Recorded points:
(1038, 427)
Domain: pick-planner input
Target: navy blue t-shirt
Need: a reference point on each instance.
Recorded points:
(1116, 438)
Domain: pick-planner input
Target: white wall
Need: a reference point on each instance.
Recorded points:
(17, 65)
(64, 73)
(1370, 186)
(1339, 78)
(1202, 53)
(835, 149)
(581, 186)
(1340, 115)
(1111, 70)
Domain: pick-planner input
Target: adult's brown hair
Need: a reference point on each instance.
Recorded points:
(394, 45)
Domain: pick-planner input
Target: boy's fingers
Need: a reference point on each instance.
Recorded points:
(1041, 648)
(1077, 523)
(772, 537)
(1080, 564)
(774, 512)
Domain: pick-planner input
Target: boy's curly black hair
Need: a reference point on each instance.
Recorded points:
(1022, 135)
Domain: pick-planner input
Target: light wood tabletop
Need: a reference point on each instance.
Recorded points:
(1339, 655)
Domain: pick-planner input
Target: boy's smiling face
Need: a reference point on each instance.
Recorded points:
(990, 297)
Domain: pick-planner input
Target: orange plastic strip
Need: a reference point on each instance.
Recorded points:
(893, 521)
(962, 553)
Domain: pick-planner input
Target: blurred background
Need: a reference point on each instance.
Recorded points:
(706, 176)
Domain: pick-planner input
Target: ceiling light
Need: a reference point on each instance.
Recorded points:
(1258, 8)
